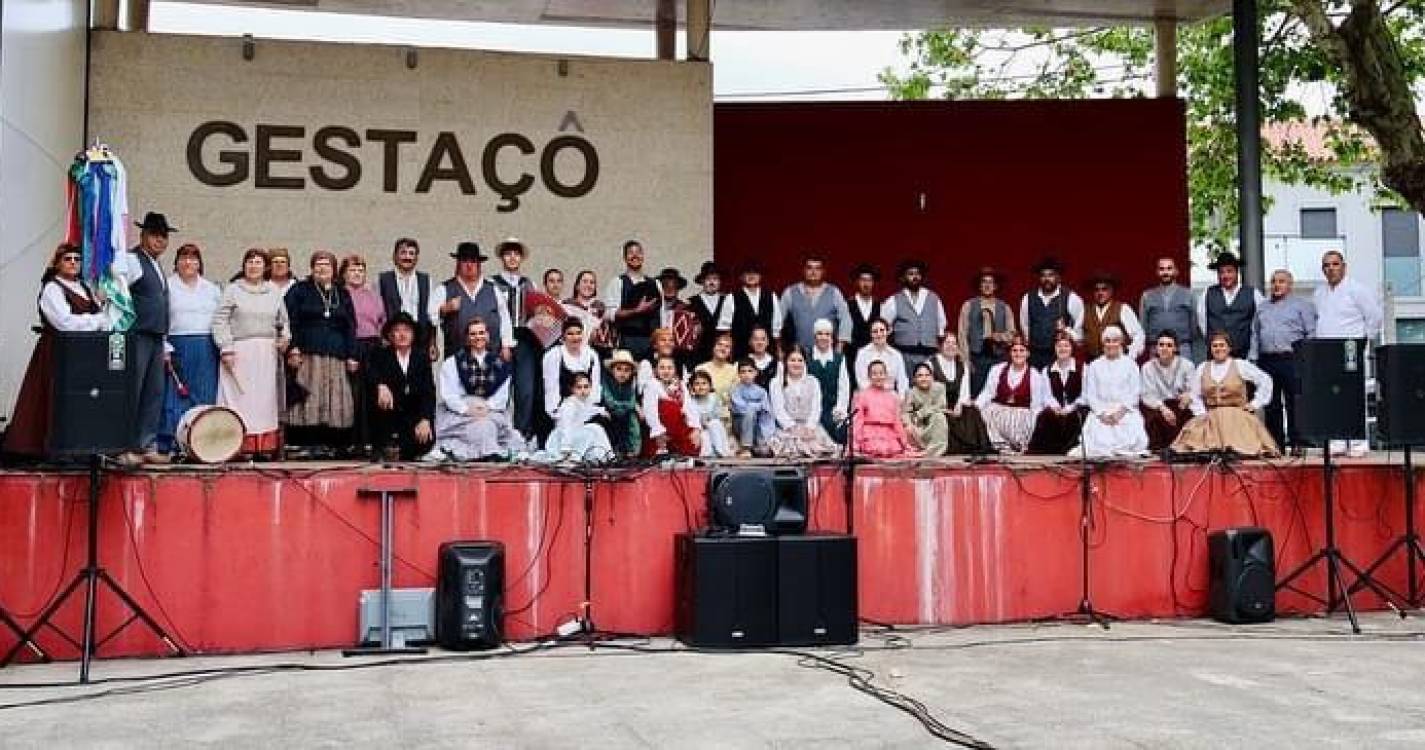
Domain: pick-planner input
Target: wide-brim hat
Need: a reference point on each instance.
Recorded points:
(469, 251)
(751, 265)
(999, 276)
(865, 269)
(1103, 277)
(1225, 258)
(399, 319)
(910, 263)
(514, 243)
(1048, 263)
(155, 223)
(621, 357)
(672, 273)
(709, 268)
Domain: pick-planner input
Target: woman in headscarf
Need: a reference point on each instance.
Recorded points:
(1112, 388)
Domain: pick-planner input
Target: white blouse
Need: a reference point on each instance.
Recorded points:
(452, 391)
(1039, 393)
(1111, 385)
(585, 361)
(1218, 372)
(805, 387)
(190, 308)
(895, 367)
(654, 391)
(55, 308)
(951, 367)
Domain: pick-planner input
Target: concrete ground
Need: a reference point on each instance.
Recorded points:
(1294, 683)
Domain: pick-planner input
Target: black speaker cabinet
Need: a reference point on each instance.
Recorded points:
(470, 595)
(1331, 374)
(726, 591)
(1242, 585)
(1400, 373)
(772, 498)
(816, 590)
(93, 409)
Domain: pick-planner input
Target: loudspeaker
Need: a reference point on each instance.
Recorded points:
(470, 595)
(816, 590)
(93, 409)
(1242, 570)
(1331, 404)
(726, 591)
(774, 499)
(1400, 373)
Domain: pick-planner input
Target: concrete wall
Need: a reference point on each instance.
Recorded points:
(649, 122)
(41, 127)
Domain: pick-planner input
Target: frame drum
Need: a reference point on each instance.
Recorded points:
(211, 434)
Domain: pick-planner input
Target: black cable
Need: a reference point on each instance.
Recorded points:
(143, 576)
(541, 550)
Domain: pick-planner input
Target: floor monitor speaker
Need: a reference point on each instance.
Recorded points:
(470, 595)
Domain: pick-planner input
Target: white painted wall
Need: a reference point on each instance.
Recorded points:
(41, 127)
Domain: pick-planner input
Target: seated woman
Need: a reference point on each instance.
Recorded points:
(621, 401)
(723, 373)
(966, 433)
(796, 405)
(66, 304)
(673, 426)
(711, 415)
(1225, 420)
(923, 412)
(578, 434)
(1057, 427)
(660, 344)
(828, 367)
(1167, 392)
(880, 350)
(876, 429)
(1013, 396)
(402, 393)
(1112, 389)
(472, 420)
(572, 357)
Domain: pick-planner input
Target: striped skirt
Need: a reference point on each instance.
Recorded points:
(328, 402)
(1009, 426)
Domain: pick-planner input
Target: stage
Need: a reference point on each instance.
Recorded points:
(271, 557)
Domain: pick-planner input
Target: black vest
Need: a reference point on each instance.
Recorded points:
(708, 318)
(1044, 318)
(150, 297)
(744, 319)
(861, 327)
(1235, 319)
(485, 306)
(633, 293)
(391, 294)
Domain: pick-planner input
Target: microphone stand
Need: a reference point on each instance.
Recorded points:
(1086, 608)
(848, 471)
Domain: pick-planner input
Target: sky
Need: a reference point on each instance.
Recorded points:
(747, 65)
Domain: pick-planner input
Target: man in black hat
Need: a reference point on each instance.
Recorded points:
(1049, 309)
(401, 385)
(1230, 307)
(752, 307)
(404, 289)
(1107, 311)
(148, 291)
(466, 296)
(986, 326)
(810, 300)
(670, 284)
(632, 302)
(708, 305)
(916, 315)
(862, 307)
(526, 381)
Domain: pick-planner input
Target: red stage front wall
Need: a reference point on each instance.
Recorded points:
(1102, 184)
(246, 561)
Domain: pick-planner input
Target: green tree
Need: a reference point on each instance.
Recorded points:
(1359, 68)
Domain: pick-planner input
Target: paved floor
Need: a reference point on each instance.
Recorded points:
(1181, 684)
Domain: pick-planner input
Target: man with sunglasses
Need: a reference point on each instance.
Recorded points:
(1345, 309)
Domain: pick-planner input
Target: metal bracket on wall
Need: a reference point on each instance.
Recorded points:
(249, 47)
(412, 58)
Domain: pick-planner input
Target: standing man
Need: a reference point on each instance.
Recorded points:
(1107, 311)
(863, 307)
(752, 307)
(1345, 309)
(708, 305)
(631, 300)
(404, 289)
(1230, 307)
(1169, 307)
(810, 300)
(526, 381)
(467, 296)
(1282, 321)
(916, 315)
(148, 288)
(1047, 310)
(986, 326)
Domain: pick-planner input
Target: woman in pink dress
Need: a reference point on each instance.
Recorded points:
(877, 431)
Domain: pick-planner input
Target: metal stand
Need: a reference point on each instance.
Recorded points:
(14, 627)
(1086, 608)
(1410, 541)
(90, 577)
(1337, 594)
(388, 519)
(849, 473)
(586, 607)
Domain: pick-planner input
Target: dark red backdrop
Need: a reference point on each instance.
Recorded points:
(1102, 184)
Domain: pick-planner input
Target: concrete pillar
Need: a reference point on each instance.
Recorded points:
(699, 29)
(1245, 66)
(1165, 48)
(665, 26)
(137, 15)
(106, 14)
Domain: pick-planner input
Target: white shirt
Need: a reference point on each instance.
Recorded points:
(507, 328)
(55, 308)
(895, 367)
(665, 312)
(127, 266)
(843, 383)
(917, 304)
(864, 305)
(403, 361)
(950, 367)
(1347, 311)
(1073, 304)
(409, 290)
(1064, 372)
(654, 391)
(514, 279)
(1128, 320)
(1112, 385)
(1218, 372)
(452, 391)
(583, 360)
(191, 308)
(1228, 297)
(613, 291)
(724, 321)
(1039, 393)
(778, 393)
